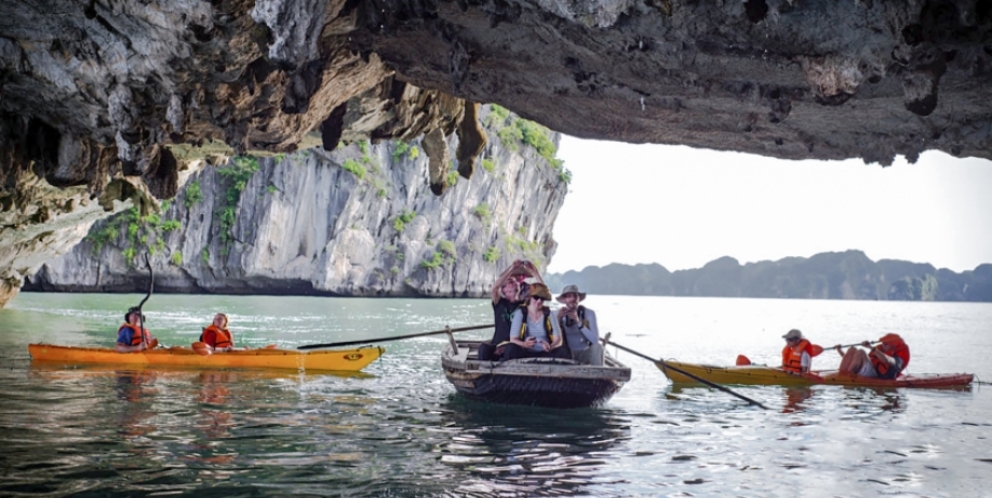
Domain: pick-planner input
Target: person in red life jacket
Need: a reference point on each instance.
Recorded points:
(798, 353)
(132, 337)
(534, 332)
(217, 337)
(886, 360)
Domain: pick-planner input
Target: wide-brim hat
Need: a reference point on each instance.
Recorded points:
(793, 334)
(570, 289)
(540, 290)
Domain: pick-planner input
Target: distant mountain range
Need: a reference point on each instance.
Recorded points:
(831, 275)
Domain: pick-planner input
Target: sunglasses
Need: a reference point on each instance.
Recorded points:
(537, 298)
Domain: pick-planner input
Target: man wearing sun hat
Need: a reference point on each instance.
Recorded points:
(579, 326)
(798, 353)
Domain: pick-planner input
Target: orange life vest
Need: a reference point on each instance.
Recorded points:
(548, 328)
(222, 337)
(892, 345)
(138, 335)
(792, 356)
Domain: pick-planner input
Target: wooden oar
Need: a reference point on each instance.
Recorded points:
(141, 316)
(687, 374)
(394, 338)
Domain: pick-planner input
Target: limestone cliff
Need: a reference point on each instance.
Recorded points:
(354, 221)
(93, 92)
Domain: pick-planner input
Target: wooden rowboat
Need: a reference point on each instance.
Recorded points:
(549, 382)
(768, 376)
(350, 360)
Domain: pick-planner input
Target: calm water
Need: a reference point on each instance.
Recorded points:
(398, 428)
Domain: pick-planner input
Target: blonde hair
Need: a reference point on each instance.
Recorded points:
(225, 319)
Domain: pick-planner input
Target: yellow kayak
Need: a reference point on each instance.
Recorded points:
(768, 376)
(348, 360)
(750, 374)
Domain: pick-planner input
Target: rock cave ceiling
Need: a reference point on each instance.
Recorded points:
(92, 89)
(96, 94)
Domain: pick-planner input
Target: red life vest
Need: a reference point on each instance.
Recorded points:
(219, 338)
(892, 345)
(792, 356)
(138, 335)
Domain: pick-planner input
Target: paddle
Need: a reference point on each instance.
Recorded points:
(743, 361)
(141, 316)
(687, 374)
(394, 338)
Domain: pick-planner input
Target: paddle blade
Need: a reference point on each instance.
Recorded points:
(815, 350)
(153, 344)
(743, 361)
(202, 348)
(271, 346)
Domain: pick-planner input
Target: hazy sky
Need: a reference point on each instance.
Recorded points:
(683, 207)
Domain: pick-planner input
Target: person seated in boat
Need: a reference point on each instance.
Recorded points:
(798, 353)
(534, 332)
(132, 337)
(886, 360)
(216, 336)
(507, 293)
(579, 326)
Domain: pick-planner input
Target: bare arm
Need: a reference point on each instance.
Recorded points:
(501, 279)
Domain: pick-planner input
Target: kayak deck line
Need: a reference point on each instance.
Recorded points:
(347, 360)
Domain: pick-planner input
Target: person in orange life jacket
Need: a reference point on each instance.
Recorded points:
(534, 332)
(579, 326)
(885, 361)
(798, 353)
(132, 337)
(217, 336)
(507, 293)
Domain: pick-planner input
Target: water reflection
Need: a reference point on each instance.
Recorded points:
(134, 388)
(528, 450)
(795, 398)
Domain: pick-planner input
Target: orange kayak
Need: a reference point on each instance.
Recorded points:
(767, 376)
(350, 360)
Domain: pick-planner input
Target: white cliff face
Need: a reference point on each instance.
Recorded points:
(356, 221)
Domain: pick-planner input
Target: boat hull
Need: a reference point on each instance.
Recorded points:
(351, 360)
(767, 376)
(546, 382)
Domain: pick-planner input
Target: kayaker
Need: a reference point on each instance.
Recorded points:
(132, 337)
(507, 295)
(217, 337)
(534, 332)
(798, 353)
(886, 360)
(579, 325)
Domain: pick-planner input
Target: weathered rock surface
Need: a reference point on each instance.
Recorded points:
(305, 224)
(90, 91)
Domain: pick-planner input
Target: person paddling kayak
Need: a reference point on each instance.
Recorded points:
(798, 353)
(217, 337)
(132, 336)
(885, 361)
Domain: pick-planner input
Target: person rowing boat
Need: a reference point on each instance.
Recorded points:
(216, 338)
(886, 360)
(133, 336)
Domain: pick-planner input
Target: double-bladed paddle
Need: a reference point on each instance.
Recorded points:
(687, 374)
(394, 338)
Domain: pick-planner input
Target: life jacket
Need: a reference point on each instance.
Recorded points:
(222, 337)
(548, 328)
(892, 345)
(792, 356)
(138, 335)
